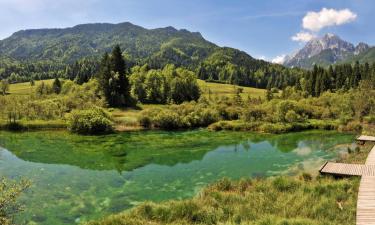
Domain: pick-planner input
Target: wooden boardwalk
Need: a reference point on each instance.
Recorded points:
(366, 193)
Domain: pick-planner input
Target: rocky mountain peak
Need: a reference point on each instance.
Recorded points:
(330, 45)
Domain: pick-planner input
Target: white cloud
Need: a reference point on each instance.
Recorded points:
(315, 21)
(280, 59)
(262, 57)
(303, 36)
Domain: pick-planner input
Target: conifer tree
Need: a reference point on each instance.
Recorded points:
(56, 86)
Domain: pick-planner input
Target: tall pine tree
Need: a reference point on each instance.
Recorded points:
(113, 79)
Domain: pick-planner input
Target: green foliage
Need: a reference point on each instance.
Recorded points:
(10, 191)
(162, 86)
(186, 115)
(44, 89)
(56, 86)
(4, 86)
(90, 121)
(344, 76)
(45, 105)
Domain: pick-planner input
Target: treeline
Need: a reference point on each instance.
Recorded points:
(345, 76)
(16, 72)
(162, 83)
(235, 67)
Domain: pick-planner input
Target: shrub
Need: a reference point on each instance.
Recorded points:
(91, 121)
(291, 116)
(254, 114)
(168, 119)
(9, 193)
(369, 119)
(275, 128)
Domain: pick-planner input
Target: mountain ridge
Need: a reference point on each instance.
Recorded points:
(85, 40)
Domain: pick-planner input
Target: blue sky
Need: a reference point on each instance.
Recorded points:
(262, 28)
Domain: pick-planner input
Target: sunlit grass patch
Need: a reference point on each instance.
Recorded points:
(26, 88)
(228, 90)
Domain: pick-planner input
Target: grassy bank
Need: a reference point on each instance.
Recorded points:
(278, 200)
(275, 128)
(33, 125)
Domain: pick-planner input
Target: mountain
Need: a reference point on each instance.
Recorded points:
(69, 44)
(324, 51)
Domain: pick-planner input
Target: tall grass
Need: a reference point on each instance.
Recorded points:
(279, 200)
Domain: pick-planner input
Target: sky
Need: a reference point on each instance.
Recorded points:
(266, 29)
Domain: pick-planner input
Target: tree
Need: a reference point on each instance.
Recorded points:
(104, 77)
(118, 65)
(269, 95)
(4, 86)
(113, 80)
(56, 86)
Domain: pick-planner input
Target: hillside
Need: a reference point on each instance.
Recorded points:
(70, 44)
(366, 56)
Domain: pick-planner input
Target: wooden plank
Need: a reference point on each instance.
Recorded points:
(371, 157)
(366, 138)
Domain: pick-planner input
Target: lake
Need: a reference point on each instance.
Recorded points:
(77, 178)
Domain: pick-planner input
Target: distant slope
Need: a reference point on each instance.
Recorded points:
(366, 56)
(70, 44)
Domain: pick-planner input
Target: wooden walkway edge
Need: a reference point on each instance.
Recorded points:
(366, 192)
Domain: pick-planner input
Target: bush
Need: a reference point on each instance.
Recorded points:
(187, 115)
(9, 193)
(91, 121)
(254, 114)
(291, 116)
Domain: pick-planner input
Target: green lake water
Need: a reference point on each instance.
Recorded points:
(77, 178)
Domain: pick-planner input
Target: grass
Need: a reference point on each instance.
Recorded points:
(229, 90)
(278, 200)
(25, 88)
